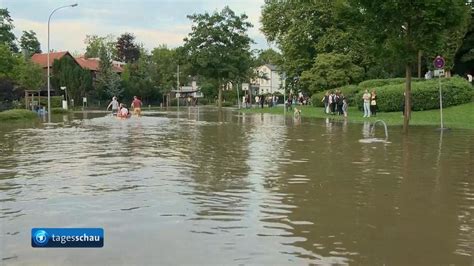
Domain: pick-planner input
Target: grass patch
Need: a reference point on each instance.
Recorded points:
(461, 116)
(17, 114)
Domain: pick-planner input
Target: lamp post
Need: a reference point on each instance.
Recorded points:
(49, 82)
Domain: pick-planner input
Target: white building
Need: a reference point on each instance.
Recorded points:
(269, 80)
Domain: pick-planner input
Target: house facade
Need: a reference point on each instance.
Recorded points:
(269, 80)
(91, 64)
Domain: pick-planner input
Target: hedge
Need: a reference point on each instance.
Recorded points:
(17, 114)
(376, 83)
(425, 95)
(56, 101)
(349, 92)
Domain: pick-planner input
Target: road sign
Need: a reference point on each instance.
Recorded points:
(439, 73)
(438, 62)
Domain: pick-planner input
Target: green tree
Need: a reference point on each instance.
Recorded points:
(409, 26)
(66, 72)
(219, 47)
(29, 75)
(8, 90)
(304, 29)
(127, 50)
(331, 70)
(8, 62)
(139, 79)
(268, 56)
(6, 30)
(95, 42)
(108, 81)
(464, 59)
(166, 61)
(29, 43)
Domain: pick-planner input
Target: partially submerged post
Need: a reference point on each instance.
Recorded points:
(439, 64)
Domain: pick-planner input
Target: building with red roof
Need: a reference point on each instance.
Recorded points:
(91, 64)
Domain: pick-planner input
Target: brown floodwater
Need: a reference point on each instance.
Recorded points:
(201, 187)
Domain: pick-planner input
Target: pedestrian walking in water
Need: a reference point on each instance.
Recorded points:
(366, 98)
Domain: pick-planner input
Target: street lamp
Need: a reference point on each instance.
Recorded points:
(49, 82)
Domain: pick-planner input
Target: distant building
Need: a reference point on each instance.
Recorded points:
(42, 59)
(188, 91)
(269, 80)
(91, 64)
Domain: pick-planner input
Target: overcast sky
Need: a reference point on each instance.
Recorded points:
(153, 22)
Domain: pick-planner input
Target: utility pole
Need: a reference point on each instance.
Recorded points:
(177, 88)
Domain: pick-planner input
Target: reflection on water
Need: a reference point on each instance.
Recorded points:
(202, 187)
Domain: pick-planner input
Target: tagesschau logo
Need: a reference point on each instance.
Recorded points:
(67, 237)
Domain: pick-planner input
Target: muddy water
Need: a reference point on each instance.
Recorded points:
(202, 187)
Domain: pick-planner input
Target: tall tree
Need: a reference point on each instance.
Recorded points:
(127, 50)
(108, 81)
(219, 47)
(8, 62)
(331, 70)
(405, 27)
(6, 30)
(29, 42)
(166, 61)
(303, 30)
(66, 72)
(95, 42)
(269, 56)
(464, 59)
(29, 75)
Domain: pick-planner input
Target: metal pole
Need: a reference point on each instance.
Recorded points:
(440, 102)
(238, 96)
(49, 76)
(177, 87)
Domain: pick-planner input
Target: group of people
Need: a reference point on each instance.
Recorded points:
(335, 103)
(121, 111)
(370, 103)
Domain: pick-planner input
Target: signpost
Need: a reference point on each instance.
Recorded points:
(439, 64)
(65, 97)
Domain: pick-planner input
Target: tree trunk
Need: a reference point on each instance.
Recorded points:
(220, 97)
(407, 113)
(419, 63)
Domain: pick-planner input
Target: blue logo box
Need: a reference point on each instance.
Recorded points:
(67, 237)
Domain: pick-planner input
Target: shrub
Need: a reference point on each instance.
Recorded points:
(59, 111)
(17, 114)
(349, 92)
(376, 83)
(425, 95)
(203, 101)
(228, 104)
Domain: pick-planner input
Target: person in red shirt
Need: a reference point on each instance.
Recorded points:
(137, 106)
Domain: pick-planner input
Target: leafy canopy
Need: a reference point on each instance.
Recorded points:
(218, 46)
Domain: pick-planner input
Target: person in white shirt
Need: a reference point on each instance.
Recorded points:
(469, 78)
(114, 104)
(366, 98)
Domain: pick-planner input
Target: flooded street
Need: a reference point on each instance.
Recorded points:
(202, 187)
